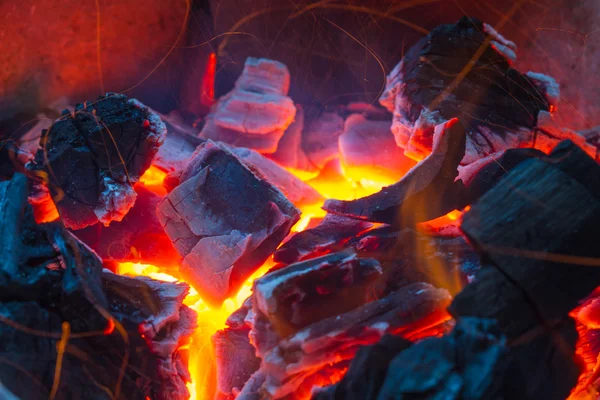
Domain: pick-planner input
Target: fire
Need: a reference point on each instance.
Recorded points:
(332, 182)
(153, 180)
(201, 358)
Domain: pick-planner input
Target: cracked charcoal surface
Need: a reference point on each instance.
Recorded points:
(94, 155)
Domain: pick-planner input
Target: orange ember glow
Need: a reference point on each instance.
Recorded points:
(207, 86)
(153, 180)
(332, 182)
(202, 364)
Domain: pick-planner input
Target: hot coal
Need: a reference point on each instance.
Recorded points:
(534, 274)
(367, 149)
(235, 356)
(303, 293)
(320, 136)
(256, 113)
(138, 237)
(332, 230)
(298, 357)
(224, 221)
(54, 294)
(367, 371)
(294, 189)
(179, 144)
(464, 71)
(426, 192)
(92, 157)
(468, 363)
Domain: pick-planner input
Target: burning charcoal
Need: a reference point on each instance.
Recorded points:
(320, 136)
(178, 146)
(52, 287)
(536, 271)
(300, 294)
(437, 80)
(367, 371)
(368, 151)
(296, 358)
(138, 237)
(332, 230)
(296, 191)
(426, 192)
(224, 221)
(155, 310)
(290, 153)
(256, 113)
(431, 369)
(93, 156)
(236, 360)
(549, 134)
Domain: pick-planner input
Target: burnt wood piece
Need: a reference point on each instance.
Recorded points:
(294, 359)
(138, 237)
(290, 153)
(179, 144)
(295, 190)
(157, 324)
(426, 192)
(256, 113)
(464, 70)
(303, 293)
(52, 286)
(236, 360)
(368, 151)
(332, 230)
(468, 363)
(535, 230)
(235, 355)
(92, 156)
(367, 371)
(224, 221)
(320, 136)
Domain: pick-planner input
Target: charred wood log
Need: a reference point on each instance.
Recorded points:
(367, 371)
(427, 191)
(469, 363)
(92, 157)
(222, 236)
(303, 293)
(463, 70)
(59, 314)
(336, 339)
(332, 230)
(256, 113)
(534, 230)
(368, 151)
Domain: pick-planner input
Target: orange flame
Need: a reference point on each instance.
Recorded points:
(332, 182)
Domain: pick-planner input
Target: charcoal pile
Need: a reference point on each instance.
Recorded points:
(460, 263)
(73, 330)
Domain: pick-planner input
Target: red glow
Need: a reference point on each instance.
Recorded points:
(153, 180)
(44, 209)
(110, 328)
(207, 86)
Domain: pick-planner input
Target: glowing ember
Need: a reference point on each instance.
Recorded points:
(202, 365)
(332, 182)
(153, 179)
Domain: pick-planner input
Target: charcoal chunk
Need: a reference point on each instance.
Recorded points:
(92, 156)
(224, 221)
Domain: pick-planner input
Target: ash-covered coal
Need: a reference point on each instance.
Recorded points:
(464, 70)
(91, 157)
(72, 330)
(224, 220)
